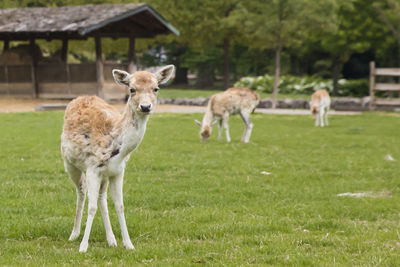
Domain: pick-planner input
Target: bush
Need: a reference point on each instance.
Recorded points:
(289, 84)
(354, 88)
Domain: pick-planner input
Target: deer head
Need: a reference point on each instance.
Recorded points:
(205, 129)
(143, 87)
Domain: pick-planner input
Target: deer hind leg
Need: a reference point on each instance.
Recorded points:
(321, 116)
(225, 119)
(112, 242)
(117, 196)
(79, 180)
(249, 126)
(93, 186)
(326, 117)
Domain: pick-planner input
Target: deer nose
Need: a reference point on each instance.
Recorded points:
(145, 108)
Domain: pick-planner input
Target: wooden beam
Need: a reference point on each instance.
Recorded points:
(34, 68)
(371, 85)
(387, 72)
(387, 87)
(99, 67)
(131, 55)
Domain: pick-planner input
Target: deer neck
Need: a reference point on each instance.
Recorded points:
(130, 131)
(208, 117)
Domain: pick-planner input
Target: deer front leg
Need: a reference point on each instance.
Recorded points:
(219, 129)
(112, 242)
(93, 182)
(116, 194)
(317, 120)
(76, 177)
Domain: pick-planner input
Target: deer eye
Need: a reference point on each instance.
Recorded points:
(132, 90)
(156, 90)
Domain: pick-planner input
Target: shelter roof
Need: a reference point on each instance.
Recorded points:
(79, 22)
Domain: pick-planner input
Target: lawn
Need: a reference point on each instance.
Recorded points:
(191, 203)
(193, 93)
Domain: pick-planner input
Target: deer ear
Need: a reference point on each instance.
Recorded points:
(197, 122)
(121, 77)
(213, 123)
(164, 74)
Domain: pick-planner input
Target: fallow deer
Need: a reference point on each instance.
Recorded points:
(320, 104)
(96, 143)
(232, 101)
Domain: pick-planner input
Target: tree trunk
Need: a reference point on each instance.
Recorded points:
(226, 62)
(277, 71)
(205, 76)
(181, 75)
(337, 67)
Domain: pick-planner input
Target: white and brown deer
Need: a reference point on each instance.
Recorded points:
(320, 104)
(96, 143)
(232, 101)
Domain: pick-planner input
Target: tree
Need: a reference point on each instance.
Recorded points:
(357, 31)
(208, 29)
(389, 13)
(279, 24)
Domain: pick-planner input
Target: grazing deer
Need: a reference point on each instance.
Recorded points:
(96, 143)
(320, 103)
(232, 101)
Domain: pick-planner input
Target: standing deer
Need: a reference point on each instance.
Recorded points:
(96, 143)
(232, 101)
(320, 103)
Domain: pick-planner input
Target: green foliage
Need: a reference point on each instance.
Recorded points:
(316, 36)
(188, 202)
(289, 84)
(359, 87)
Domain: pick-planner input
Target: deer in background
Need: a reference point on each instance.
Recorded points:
(232, 101)
(96, 143)
(320, 104)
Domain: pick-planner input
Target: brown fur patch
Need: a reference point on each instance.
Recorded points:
(90, 117)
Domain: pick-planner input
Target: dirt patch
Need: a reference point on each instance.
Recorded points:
(28, 105)
(25, 105)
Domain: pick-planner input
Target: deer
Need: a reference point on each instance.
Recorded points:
(320, 104)
(96, 143)
(236, 100)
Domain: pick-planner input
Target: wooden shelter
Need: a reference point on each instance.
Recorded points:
(60, 79)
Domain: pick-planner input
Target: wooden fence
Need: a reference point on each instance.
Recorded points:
(57, 80)
(390, 87)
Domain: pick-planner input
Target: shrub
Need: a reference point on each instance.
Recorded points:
(289, 84)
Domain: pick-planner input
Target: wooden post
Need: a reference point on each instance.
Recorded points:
(371, 85)
(131, 55)
(64, 59)
(34, 68)
(99, 68)
(64, 50)
(6, 45)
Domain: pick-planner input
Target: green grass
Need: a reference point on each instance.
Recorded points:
(193, 93)
(191, 203)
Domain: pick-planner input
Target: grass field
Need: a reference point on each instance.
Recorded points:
(192, 93)
(190, 203)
